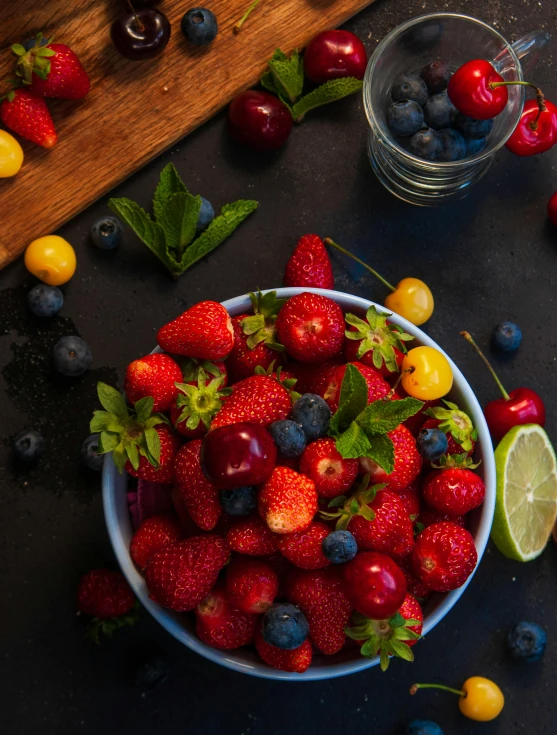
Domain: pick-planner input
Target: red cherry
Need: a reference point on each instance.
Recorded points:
(374, 584)
(333, 55)
(237, 455)
(471, 91)
(259, 120)
(552, 209)
(536, 131)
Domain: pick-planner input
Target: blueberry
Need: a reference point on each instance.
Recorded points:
(44, 300)
(238, 502)
(471, 128)
(289, 437)
(527, 641)
(206, 215)
(432, 444)
(28, 446)
(199, 26)
(151, 672)
(475, 146)
(72, 356)
(423, 727)
(507, 336)
(404, 118)
(423, 36)
(409, 87)
(107, 233)
(453, 145)
(285, 626)
(425, 144)
(436, 76)
(90, 455)
(313, 414)
(439, 111)
(339, 547)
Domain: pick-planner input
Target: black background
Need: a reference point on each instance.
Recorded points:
(489, 257)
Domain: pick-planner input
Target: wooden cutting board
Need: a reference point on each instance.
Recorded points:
(135, 110)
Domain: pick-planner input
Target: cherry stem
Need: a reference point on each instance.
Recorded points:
(333, 244)
(402, 374)
(468, 338)
(140, 26)
(540, 97)
(414, 688)
(245, 16)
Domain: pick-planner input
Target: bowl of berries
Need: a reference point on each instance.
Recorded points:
(298, 484)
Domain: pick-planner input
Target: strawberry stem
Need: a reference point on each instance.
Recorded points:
(414, 688)
(245, 16)
(468, 338)
(333, 244)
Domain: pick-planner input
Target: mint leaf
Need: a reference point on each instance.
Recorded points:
(287, 74)
(381, 450)
(169, 183)
(334, 89)
(353, 400)
(178, 219)
(384, 415)
(112, 400)
(353, 443)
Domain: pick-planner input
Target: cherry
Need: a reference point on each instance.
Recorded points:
(374, 584)
(237, 455)
(333, 55)
(474, 92)
(552, 209)
(259, 120)
(140, 34)
(536, 131)
(520, 406)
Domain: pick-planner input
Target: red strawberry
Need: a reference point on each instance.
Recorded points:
(377, 386)
(156, 376)
(410, 497)
(429, 516)
(182, 575)
(388, 529)
(200, 496)
(251, 584)
(332, 474)
(164, 472)
(415, 586)
(311, 327)
(320, 595)
(104, 594)
(154, 533)
(52, 70)
(204, 331)
(251, 536)
(221, 625)
(287, 501)
(188, 527)
(259, 399)
(444, 556)
(196, 405)
(454, 490)
(375, 342)
(408, 461)
(28, 116)
(312, 378)
(456, 424)
(309, 264)
(297, 660)
(303, 548)
(243, 360)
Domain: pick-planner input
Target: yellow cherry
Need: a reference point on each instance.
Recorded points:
(11, 155)
(412, 300)
(480, 699)
(426, 374)
(51, 259)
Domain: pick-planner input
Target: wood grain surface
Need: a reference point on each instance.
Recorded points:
(134, 110)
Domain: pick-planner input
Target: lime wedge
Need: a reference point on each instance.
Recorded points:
(526, 504)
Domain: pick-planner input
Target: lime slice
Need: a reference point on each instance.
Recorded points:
(526, 504)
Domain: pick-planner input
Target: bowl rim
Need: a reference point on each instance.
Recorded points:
(171, 621)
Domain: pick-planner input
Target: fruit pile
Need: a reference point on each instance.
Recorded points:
(316, 500)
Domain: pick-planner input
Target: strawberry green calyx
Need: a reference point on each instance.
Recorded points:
(384, 637)
(129, 435)
(287, 383)
(377, 336)
(456, 423)
(190, 368)
(356, 504)
(261, 326)
(460, 461)
(200, 403)
(35, 60)
(106, 626)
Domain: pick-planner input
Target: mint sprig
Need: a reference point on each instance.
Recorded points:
(286, 75)
(331, 91)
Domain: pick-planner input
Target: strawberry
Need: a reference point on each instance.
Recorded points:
(312, 378)
(415, 423)
(195, 406)
(190, 369)
(156, 376)
(180, 576)
(375, 342)
(259, 399)
(309, 264)
(320, 595)
(204, 331)
(153, 534)
(189, 528)
(106, 596)
(414, 585)
(27, 115)
(456, 424)
(51, 70)
(454, 490)
(221, 625)
(410, 497)
(332, 474)
(408, 461)
(377, 386)
(287, 501)
(200, 496)
(251, 536)
(163, 470)
(311, 327)
(251, 584)
(298, 660)
(428, 516)
(444, 556)
(303, 548)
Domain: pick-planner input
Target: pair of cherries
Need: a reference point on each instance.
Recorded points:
(478, 91)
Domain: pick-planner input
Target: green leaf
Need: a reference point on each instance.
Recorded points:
(397, 620)
(334, 89)
(133, 454)
(112, 400)
(178, 219)
(119, 456)
(100, 422)
(384, 660)
(370, 647)
(144, 408)
(153, 442)
(288, 74)
(353, 443)
(169, 183)
(353, 400)
(337, 502)
(108, 442)
(384, 415)
(18, 49)
(402, 650)
(381, 450)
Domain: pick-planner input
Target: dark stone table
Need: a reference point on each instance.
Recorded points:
(489, 257)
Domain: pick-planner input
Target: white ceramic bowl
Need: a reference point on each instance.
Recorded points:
(345, 662)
